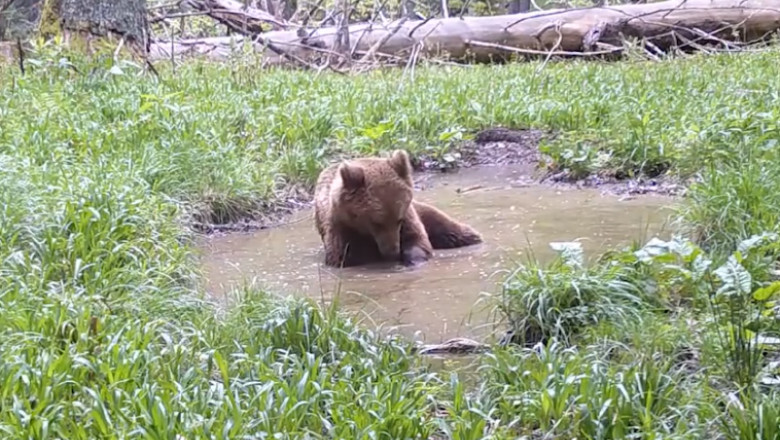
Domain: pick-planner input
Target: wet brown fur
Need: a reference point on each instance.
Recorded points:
(364, 212)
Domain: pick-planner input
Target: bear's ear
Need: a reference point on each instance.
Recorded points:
(352, 176)
(401, 163)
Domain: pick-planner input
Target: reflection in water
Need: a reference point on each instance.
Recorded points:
(438, 298)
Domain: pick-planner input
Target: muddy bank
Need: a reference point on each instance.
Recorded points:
(498, 147)
(495, 147)
(491, 147)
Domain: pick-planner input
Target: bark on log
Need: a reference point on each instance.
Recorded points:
(597, 30)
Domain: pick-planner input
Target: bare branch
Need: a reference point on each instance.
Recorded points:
(237, 16)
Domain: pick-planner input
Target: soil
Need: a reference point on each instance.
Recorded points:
(491, 147)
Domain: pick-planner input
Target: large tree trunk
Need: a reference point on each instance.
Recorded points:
(127, 18)
(18, 18)
(597, 30)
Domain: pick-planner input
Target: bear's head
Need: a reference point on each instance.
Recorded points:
(373, 198)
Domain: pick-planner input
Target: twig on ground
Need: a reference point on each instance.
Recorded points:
(311, 11)
(412, 60)
(657, 50)
(173, 52)
(464, 9)
(281, 52)
(151, 66)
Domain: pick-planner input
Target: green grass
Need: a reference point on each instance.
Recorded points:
(104, 334)
(657, 341)
(736, 197)
(759, 419)
(557, 301)
(228, 138)
(578, 394)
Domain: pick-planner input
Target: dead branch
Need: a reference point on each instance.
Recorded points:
(236, 15)
(163, 17)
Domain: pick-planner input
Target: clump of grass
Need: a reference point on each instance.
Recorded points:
(676, 337)
(329, 376)
(737, 197)
(760, 418)
(561, 298)
(564, 392)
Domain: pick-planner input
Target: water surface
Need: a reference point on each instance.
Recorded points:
(436, 301)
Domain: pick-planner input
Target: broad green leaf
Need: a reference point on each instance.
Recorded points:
(767, 292)
(754, 241)
(736, 279)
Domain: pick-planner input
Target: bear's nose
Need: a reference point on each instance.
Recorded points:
(389, 250)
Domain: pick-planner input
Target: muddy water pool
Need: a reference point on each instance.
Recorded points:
(443, 298)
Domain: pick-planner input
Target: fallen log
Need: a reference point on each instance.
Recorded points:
(663, 26)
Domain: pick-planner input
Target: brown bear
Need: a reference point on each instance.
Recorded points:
(364, 212)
